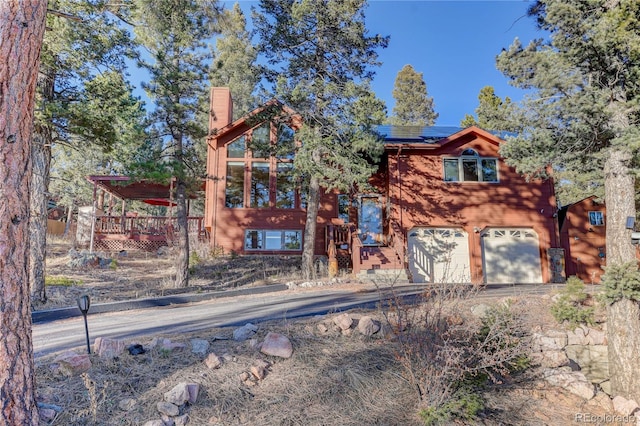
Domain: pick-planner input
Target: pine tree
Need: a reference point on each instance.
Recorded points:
(320, 57)
(493, 113)
(22, 26)
(175, 33)
(414, 107)
(83, 42)
(234, 64)
(584, 115)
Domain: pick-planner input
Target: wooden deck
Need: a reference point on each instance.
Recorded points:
(147, 233)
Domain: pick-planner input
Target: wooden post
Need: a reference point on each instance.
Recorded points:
(331, 253)
(93, 216)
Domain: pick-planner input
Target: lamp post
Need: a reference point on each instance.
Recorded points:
(83, 305)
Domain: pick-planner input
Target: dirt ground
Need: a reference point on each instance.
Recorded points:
(332, 378)
(133, 274)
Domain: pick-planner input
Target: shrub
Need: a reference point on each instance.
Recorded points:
(621, 282)
(449, 360)
(570, 306)
(194, 261)
(465, 404)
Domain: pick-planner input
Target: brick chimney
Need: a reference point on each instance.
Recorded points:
(221, 112)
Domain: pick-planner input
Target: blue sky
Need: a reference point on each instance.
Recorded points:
(453, 43)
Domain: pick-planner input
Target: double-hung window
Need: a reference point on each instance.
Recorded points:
(470, 167)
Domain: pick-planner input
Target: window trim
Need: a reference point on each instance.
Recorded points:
(263, 236)
(461, 173)
(596, 213)
(273, 162)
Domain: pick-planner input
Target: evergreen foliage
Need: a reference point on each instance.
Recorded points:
(570, 305)
(234, 62)
(582, 76)
(319, 61)
(81, 80)
(492, 112)
(174, 33)
(583, 114)
(414, 107)
(621, 282)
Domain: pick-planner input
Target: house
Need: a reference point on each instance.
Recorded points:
(583, 232)
(446, 207)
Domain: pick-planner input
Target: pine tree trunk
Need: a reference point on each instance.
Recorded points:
(22, 24)
(40, 160)
(623, 317)
(182, 265)
(308, 250)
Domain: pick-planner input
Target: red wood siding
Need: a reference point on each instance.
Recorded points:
(584, 242)
(419, 196)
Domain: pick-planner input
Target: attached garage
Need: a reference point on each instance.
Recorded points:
(439, 255)
(511, 255)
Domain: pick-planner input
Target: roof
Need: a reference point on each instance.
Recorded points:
(427, 135)
(125, 189)
(416, 133)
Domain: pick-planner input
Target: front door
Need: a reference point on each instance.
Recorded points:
(370, 221)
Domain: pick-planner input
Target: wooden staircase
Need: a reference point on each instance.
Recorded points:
(380, 264)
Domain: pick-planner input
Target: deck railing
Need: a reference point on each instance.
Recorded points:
(146, 225)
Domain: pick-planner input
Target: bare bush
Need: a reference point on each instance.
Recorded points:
(447, 354)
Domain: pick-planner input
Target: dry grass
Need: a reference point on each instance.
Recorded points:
(134, 275)
(331, 379)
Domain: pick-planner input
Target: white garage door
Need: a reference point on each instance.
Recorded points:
(439, 255)
(511, 256)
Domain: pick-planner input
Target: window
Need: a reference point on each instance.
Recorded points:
(236, 148)
(261, 141)
(285, 187)
(259, 196)
(285, 142)
(343, 207)
(234, 194)
(596, 218)
(470, 168)
(274, 240)
(260, 176)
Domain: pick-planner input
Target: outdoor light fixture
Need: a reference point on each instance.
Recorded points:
(631, 221)
(83, 304)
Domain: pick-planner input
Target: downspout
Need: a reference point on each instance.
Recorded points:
(399, 185)
(400, 206)
(214, 225)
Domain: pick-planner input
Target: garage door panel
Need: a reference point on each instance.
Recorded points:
(511, 256)
(439, 255)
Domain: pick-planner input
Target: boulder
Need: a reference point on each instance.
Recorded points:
(367, 326)
(199, 346)
(344, 321)
(624, 406)
(592, 359)
(276, 344)
(550, 340)
(71, 364)
(213, 361)
(245, 332)
(182, 393)
(572, 381)
(108, 348)
(168, 408)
